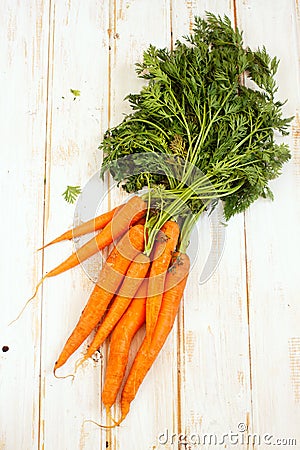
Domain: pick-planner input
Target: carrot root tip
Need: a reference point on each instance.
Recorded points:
(28, 301)
(71, 375)
(108, 414)
(100, 425)
(79, 363)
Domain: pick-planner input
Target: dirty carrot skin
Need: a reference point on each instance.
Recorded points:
(121, 339)
(163, 251)
(146, 355)
(110, 278)
(95, 224)
(134, 277)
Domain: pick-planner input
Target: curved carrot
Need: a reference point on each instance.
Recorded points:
(146, 355)
(110, 278)
(95, 224)
(163, 252)
(128, 215)
(122, 336)
(133, 279)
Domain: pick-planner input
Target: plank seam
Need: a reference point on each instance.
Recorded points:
(248, 324)
(109, 441)
(247, 272)
(180, 317)
(47, 148)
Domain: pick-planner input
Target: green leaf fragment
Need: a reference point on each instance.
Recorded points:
(71, 193)
(75, 92)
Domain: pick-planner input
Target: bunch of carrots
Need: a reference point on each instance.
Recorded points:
(197, 134)
(132, 289)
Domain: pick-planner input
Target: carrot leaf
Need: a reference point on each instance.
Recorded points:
(210, 103)
(71, 193)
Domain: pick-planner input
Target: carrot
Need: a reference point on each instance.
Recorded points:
(122, 336)
(163, 251)
(146, 355)
(110, 278)
(95, 224)
(142, 221)
(127, 215)
(130, 213)
(133, 279)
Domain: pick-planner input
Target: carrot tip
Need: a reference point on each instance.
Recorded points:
(99, 424)
(28, 301)
(116, 424)
(79, 363)
(63, 377)
(44, 246)
(48, 244)
(108, 413)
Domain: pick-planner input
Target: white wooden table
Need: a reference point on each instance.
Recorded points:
(233, 358)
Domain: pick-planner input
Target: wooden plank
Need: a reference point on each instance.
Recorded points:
(201, 381)
(23, 78)
(77, 60)
(134, 25)
(214, 359)
(273, 241)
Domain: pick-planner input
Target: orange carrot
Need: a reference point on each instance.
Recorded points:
(133, 279)
(164, 248)
(146, 355)
(122, 336)
(109, 281)
(142, 221)
(127, 215)
(95, 224)
(130, 213)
